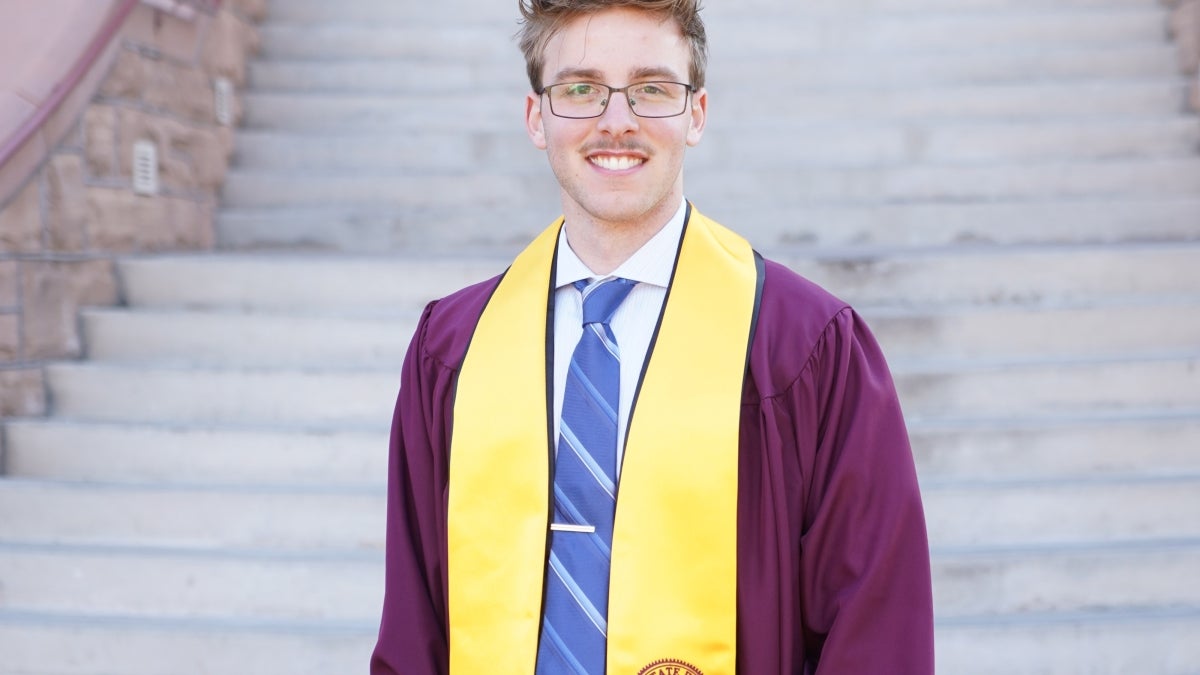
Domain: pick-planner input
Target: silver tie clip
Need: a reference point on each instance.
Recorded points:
(565, 527)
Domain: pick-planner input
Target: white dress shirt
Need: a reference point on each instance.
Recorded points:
(632, 324)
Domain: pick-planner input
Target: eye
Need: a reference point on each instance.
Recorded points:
(650, 89)
(580, 90)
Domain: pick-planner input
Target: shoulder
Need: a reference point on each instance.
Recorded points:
(797, 319)
(447, 324)
(785, 289)
(795, 308)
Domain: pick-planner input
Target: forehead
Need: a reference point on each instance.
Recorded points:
(618, 44)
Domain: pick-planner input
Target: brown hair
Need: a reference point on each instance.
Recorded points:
(542, 19)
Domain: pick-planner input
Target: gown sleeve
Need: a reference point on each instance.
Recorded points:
(866, 597)
(412, 633)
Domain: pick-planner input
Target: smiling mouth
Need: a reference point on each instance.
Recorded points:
(616, 162)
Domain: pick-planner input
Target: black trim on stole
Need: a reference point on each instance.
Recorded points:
(760, 274)
(550, 440)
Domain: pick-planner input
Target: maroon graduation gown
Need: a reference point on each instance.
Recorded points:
(833, 560)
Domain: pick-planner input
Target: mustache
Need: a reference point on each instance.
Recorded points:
(617, 146)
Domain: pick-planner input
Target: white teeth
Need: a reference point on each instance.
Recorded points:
(615, 163)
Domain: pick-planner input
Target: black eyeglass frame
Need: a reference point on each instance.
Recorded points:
(620, 90)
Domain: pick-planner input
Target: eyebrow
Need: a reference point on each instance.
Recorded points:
(593, 75)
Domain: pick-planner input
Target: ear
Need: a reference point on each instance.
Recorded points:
(699, 116)
(533, 120)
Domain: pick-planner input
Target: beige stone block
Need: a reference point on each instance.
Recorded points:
(227, 47)
(66, 204)
(164, 33)
(22, 393)
(100, 141)
(122, 221)
(1185, 27)
(190, 157)
(10, 337)
(8, 283)
(154, 82)
(51, 294)
(21, 220)
(253, 10)
(210, 154)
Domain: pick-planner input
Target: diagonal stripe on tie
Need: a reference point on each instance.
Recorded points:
(592, 392)
(575, 621)
(588, 463)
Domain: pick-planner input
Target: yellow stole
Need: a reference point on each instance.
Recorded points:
(673, 584)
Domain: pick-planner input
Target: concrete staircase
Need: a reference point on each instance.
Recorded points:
(1009, 190)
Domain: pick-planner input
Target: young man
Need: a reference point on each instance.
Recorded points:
(644, 449)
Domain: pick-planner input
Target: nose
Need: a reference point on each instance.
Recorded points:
(618, 117)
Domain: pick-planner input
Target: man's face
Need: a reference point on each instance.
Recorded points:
(618, 169)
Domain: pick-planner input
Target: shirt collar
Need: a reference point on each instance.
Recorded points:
(650, 264)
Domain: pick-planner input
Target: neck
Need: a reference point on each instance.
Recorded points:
(603, 245)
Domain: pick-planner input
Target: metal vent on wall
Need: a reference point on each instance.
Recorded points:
(145, 168)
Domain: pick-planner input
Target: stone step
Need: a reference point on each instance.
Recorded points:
(447, 73)
(333, 399)
(231, 338)
(962, 28)
(434, 45)
(343, 588)
(269, 339)
(1102, 643)
(259, 398)
(375, 12)
(1043, 180)
(71, 643)
(1013, 514)
(291, 518)
(863, 276)
(1007, 333)
(820, 145)
(184, 583)
(1021, 450)
(414, 190)
(1036, 644)
(391, 30)
(1048, 390)
(298, 283)
(1000, 275)
(496, 231)
(1168, 177)
(505, 231)
(58, 449)
(462, 113)
(1028, 450)
(873, 6)
(196, 518)
(837, 67)
(1065, 579)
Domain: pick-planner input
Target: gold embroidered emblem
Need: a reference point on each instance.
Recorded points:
(670, 667)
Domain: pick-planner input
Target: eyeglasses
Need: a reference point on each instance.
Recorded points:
(584, 100)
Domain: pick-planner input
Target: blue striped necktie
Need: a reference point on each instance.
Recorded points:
(575, 624)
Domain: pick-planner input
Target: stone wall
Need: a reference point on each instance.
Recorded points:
(61, 231)
(1185, 29)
